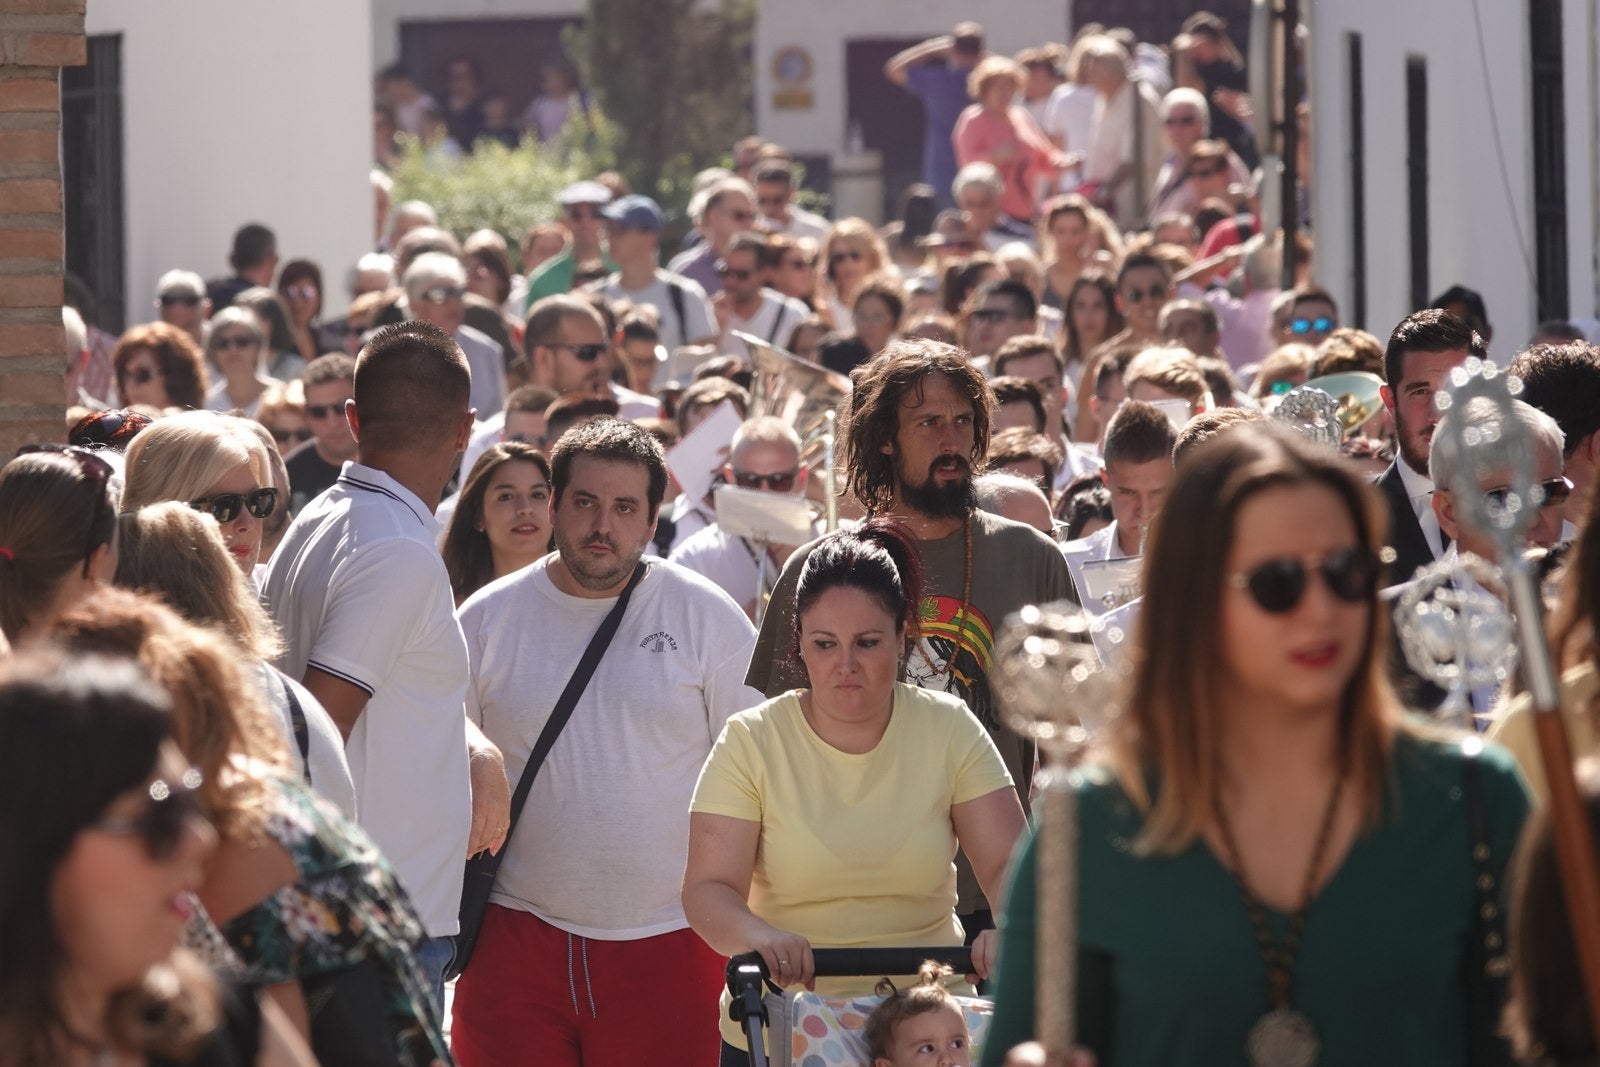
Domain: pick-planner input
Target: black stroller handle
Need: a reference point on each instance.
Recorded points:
(841, 962)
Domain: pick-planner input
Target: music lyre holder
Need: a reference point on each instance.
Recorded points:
(763, 519)
(1493, 447)
(1054, 691)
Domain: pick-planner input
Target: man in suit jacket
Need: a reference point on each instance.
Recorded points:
(1422, 351)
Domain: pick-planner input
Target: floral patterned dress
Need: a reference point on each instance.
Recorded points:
(346, 907)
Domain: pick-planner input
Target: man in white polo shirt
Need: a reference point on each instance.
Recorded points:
(584, 955)
(364, 602)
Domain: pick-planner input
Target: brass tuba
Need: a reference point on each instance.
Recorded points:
(1356, 393)
(805, 395)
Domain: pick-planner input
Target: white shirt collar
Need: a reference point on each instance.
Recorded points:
(1415, 484)
(369, 479)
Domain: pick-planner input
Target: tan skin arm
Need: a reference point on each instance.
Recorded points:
(932, 48)
(987, 828)
(491, 792)
(281, 1045)
(716, 898)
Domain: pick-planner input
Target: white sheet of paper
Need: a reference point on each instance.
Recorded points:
(776, 518)
(695, 460)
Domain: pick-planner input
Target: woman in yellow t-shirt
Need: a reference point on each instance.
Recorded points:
(830, 815)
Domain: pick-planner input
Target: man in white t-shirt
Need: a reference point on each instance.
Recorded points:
(633, 233)
(745, 305)
(765, 455)
(364, 603)
(585, 956)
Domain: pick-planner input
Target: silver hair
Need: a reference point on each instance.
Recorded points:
(1183, 96)
(979, 173)
(1444, 459)
(430, 269)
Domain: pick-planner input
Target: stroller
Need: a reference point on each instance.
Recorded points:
(808, 1028)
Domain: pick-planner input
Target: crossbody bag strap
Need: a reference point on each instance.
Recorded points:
(297, 721)
(569, 698)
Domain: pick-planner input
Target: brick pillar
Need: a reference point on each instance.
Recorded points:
(37, 39)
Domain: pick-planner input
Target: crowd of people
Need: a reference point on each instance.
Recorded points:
(316, 604)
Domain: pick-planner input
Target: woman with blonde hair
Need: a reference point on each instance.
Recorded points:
(1274, 865)
(851, 252)
(215, 463)
(175, 553)
(299, 894)
(283, 412)
(998, 132)
(58, 534)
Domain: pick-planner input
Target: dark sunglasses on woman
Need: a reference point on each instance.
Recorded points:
(225, 507)
(1277, 586)
(159, 826)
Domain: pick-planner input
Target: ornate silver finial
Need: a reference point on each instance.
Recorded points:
(1313, 413)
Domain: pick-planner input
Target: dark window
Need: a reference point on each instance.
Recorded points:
(1417, 174)
(1549, 158)
(1358, 182)
(91, 178)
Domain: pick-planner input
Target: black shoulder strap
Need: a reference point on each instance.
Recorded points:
(777, 321)
(569, 697)
(297, 719)
(676, 291)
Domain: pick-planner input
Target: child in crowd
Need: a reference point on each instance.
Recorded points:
(920, 1025)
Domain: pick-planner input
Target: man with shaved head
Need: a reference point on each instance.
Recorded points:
(365, 605)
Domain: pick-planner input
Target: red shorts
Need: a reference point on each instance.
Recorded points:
(539, 996)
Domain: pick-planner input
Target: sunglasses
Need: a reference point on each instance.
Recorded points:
(1351, 574)
(95, 471)
(1139, 296)
(186, 301)
(772, 201)
(356, 329)
(991, 314)
(849, 253)
(578, 214)
(1552, 494)
(1205, 172)
(141, 375)
(439, 294)
(283, 436)
(304, 292)
(318, 412)
(107, 428)
(1183, 120)
(739, 274)
(745, 217)
(798, 264)
(225, 507)
(241, 340)
(1318, 325)
(778, 483)
(584, 353)
(160, 825)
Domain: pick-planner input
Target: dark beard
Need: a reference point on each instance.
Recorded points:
(951, 500)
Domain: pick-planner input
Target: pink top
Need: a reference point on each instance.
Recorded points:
(979, 135)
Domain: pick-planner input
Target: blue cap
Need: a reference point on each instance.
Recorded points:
(635, 211)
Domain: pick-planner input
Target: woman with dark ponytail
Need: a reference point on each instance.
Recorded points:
(830, 815)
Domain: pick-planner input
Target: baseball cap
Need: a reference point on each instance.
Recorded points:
(635, 211)
(584, 193)
(180, 283)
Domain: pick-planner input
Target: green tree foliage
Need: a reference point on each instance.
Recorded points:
(505, 189)
(675, 78)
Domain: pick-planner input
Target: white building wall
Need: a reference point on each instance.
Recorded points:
(824, 27)
(236, 113)
(1480, 214)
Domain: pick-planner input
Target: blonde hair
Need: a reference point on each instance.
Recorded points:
(1282, 364)
(175, 553)
(282, 398)
(898, 1005)
(1173, 369)
(857, 232)
(181, 456)
(218, 716)
(991, 70)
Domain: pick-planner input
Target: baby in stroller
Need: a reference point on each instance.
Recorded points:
(919, 1026)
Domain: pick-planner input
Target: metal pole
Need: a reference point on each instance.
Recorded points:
(1056, 890)
(1290, 129)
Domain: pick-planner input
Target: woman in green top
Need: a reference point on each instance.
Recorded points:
(1274, 867)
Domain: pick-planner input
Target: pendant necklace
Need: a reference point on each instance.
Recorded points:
(1283, 1037)
(961, 612)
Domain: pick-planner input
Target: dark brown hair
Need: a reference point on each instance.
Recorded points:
(873, 419)
(898, 1005)
(467, 555)
(183, 369)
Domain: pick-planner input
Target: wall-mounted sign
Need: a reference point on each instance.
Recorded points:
(791, 73)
